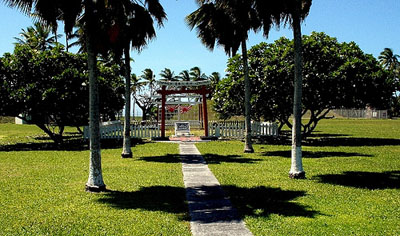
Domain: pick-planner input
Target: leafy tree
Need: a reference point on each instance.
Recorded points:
(50, 88)
(336, 75)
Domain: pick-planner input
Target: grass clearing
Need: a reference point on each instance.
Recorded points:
(43, 190)
(352, 185)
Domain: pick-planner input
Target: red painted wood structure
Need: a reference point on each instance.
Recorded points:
(183, 89)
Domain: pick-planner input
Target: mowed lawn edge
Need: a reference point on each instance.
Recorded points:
(352, 185)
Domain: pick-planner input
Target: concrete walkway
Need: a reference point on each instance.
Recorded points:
(210, 210)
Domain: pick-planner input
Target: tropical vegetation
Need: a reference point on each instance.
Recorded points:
(103, 31)
(49, 88)
(390, 61)
(38, 37)
(336, 75)
(145, 87)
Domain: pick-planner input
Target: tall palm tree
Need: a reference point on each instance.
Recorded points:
(295, 11)
(69, 11)
(196, 74)
(38, 37)
(292, 12)
(96, 26)
(227, 23)
(132, 26)
(389, 60)
(169, 75)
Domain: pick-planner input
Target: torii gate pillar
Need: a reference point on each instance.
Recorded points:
(163, 99)
(205, 115)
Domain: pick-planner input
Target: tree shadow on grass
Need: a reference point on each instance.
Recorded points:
(257, 202)
(307, 154)
(69, 144)
(318, 134)
(155, 198)
(264, 201)
(352, 142)
(218, 159)
(209, 158)
(169, 158)
(367, 180)
(334, 140)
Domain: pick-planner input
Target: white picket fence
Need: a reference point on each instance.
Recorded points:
(237, 129)
(115, 130)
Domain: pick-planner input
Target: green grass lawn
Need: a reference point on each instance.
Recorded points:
(352, 185)
(42, 191)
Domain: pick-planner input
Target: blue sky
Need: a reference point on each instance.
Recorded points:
(372, 24)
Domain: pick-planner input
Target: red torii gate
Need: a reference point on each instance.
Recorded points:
(183, 84)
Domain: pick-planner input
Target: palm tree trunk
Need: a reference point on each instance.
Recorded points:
(95, 181)
(126, 149)
(66, 43)
(248, 147)
(296, 170)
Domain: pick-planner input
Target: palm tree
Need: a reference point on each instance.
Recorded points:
(167, 74)
(214, 78)
(389, 60)
(132, 26)
(38, 37)
(184, 75)
(295, 11)
(79, 37)
(68, 11)
(149, 78)
(227, 23)
(196, 74)
(96, 26)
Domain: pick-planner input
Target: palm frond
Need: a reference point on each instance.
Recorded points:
(157, 11)
(24, 6)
